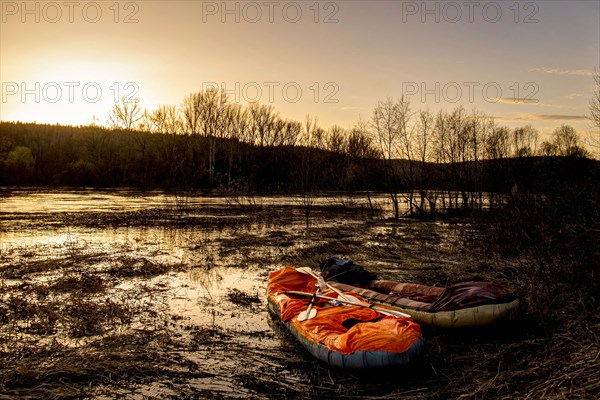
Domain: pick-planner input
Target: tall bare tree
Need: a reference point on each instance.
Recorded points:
(497, 143)
(292, 133)
(308, 167)
(361, 148)
(423, 138)
(336, 139)
(524, 141)
(389, 123)
(262, 120)
(126, 114)
(205, 114)
(566, 142)
(595, 110)
(165, 119)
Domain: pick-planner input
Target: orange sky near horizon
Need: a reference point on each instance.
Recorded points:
(528, 62)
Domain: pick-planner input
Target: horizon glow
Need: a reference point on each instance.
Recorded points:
(520, 62)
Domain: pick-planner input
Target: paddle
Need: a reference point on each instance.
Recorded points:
(310, 312)
(322, 282)
(356, 302)
(345, 298)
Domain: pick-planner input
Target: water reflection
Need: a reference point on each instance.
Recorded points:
(25, 201)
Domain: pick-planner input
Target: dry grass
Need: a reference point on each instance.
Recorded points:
(242, 299)
(553, 240)
(130, 267)
(84, 282)
(92, 317)
(60, 371)
(564, 365)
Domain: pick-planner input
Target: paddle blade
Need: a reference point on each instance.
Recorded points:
(352, 300)
(305, 270)
(307, 314)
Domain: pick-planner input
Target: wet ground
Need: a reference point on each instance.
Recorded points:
(122, 294)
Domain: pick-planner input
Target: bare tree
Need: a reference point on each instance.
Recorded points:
(360, 146)
(336, 139)
(497, 143)
(497, 150)
(524, 141)
(165, 119)
(125, 114)
(235, 122)
(422, 141)
(292, 132)
(389, 121)
(595, 110)
(337, 168)
(566, 142)
(262, 120)
(548, 149)
(190, 108)
(308, 167)
(447, 128)
(239, 122)
(205, 114)
(481, 128)
(461, 143)
(319, 138)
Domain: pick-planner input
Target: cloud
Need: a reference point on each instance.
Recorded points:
(543, 117)
(558, 117)
(348, 108)
(517, 100)
(511, 100)
(559, 71)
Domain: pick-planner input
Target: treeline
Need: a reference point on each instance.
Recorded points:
(476, 155)
(455, 159)
(53, 155)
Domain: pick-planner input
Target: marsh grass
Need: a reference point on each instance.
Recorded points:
(552, 240)
(62, 371)
(129, 267)
(69, 336)
(243, 299)
(83, 282)
(92, 317)
(31, 265)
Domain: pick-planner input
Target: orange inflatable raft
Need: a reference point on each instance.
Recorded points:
(345, 336)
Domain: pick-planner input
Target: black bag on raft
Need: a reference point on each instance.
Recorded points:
(345, 271)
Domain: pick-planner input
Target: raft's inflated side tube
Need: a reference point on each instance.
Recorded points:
(483, 315)
(466, 317)
(358, 359)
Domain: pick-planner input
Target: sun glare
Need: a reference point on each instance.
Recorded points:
(77, 92)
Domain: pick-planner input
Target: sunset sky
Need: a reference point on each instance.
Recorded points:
(525, 62)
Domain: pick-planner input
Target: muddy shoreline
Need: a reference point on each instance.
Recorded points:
(157, 303)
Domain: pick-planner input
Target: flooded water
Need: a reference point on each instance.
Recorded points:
(199, 275)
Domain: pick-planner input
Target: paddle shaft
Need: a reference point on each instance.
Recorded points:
(378, 309)
(314, 275)
(306, 314)
(309, 271)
